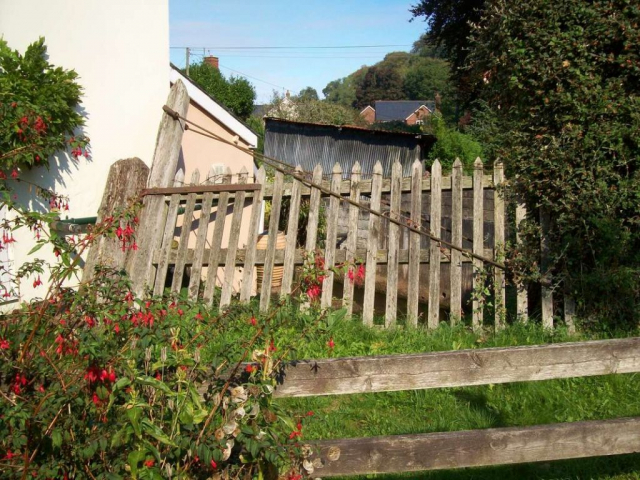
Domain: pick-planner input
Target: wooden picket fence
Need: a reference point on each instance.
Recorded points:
(473, 448)
(189, 250)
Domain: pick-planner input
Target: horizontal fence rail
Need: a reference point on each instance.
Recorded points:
(458, 368)
(476, 448)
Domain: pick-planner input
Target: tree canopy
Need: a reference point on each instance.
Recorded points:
(235, 93)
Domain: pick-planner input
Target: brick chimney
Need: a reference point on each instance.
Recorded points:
(213, 61)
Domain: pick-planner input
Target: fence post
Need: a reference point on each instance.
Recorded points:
(522, 300)
(163, 169)
(547, 293)
(372, 247)
(413, 292)
(292, 236)
(498, 246)
(394, 244)
(125, 181)
(250, 257)
(455, 311)
(434, 247)
(274, 220)
(478, 244)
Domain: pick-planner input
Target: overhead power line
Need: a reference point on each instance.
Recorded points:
(254, 78)
(300, 47)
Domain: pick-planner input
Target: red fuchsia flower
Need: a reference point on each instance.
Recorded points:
(158, 376)
(250, 368)
(310, 413)
(149, 463)
(360, 274)
(37, 282)
(89, 321)
(4, 344)
(40, 126)
(128, 297)
(96, 400)
(272, 346)
(14, 173)
(14, 104)
(10, 455)
(213, 464)
(92, 375)
(313, 292)
(199, 316)
(331, 344)
(3, 176)
(41, 388)
(116, 328)
(253, 321)
(180, 312)
(351, 275)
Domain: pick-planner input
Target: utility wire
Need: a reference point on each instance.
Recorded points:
(298, 47)
(287, 169)
(254, 78)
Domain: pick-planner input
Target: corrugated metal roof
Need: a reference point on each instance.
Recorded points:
(309, 144)
(389, 110)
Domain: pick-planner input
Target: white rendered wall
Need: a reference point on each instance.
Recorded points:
(120, 49)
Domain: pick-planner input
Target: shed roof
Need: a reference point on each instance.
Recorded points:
(390, 110)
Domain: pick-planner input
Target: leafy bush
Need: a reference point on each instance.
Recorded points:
(38, 109)
(560, 89)
(451, 144)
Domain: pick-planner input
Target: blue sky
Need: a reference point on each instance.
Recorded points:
(213, 25)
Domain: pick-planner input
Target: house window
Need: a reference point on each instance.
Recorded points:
(419, 122)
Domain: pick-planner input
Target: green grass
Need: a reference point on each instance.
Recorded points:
(454, 409)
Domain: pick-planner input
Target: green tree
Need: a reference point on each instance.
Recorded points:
(235, 93)
(425, 77)
(451, 144)
(307, 93)
(379, 83)
(560, 90)
(313, 111)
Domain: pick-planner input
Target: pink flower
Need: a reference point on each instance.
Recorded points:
(4, 344)
(213, 464)
(331, 344)
(37, 282)
(149, 463)
(314, 292)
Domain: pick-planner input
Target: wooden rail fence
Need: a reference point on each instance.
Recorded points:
(406, 453)
(197, 218)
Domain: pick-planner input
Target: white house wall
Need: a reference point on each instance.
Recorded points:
(120, 49)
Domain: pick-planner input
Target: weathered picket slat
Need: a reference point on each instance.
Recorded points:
(413, 294)
(216, 241)
(394, 245)
(332, 235)
(434, 247)
(292, 237)
(314, 211)
(455, 310)
(569, 312)
(499, 246)
(234, 238)
(185, 232)
(522, 303)
(475, 448)
(478, 243)
(265, 294)
(252, 239)
(167, 237)
(459, 368)
(352, 237)
(372, 247)
(546, 300)
(201, 237)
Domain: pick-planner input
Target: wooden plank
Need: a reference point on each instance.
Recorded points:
(332, 236)
(546, 300)
(314, 211)
(522, 302)
(413, 296)
(434, 260)
(476, 448)
(185, 233)
(125, 181)
(163, 170)
(352, 237)
(252, 240)
(274, 220)
(388, 373)
(234, 238)
(456, 312)
(394, 245)
(381, 256)
(201, 239)
(500, 313)
(478, 244)
(365, 186)
(372, 247)
(167, 239)
(235, 187)
(292, 237)
(216, 242)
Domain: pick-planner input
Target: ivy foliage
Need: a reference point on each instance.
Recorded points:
(559, 86)
(451, 144)
(39, 108)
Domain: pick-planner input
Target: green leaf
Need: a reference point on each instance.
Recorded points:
(37, 247)
(133, 414)
(156, 432)
(158, 385)
(133, 459)
(56, 437)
